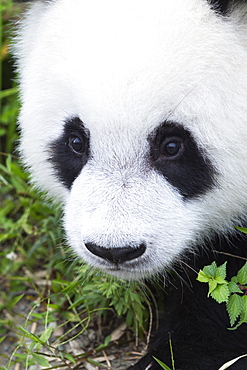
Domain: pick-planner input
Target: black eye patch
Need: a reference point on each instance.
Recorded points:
(70, 152)
(175, 155)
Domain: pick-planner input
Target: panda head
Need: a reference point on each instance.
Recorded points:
(134, 115)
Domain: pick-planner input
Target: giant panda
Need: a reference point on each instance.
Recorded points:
(134, 117)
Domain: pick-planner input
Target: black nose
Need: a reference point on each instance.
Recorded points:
(117, 255)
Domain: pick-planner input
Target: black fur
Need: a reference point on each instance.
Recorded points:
(190, 172)
(67, 164)
(220, 5)
(197, 325)
(223, 6)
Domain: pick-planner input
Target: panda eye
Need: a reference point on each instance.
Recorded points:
(172, 147)
(77, 144)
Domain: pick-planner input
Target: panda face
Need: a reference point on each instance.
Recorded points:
(134, 116)
(122, 193)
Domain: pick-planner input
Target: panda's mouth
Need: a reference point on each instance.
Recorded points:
(137, 264)
(136, 272)
(134, 269)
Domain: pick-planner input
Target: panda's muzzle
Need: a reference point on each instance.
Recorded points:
(117, 255)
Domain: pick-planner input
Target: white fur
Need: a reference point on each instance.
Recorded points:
(124, 67)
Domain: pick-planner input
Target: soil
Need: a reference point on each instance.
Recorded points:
(120, 354)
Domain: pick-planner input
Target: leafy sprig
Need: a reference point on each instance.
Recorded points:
(233, 292)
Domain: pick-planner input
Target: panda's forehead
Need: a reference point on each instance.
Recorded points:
(117, 59)
(119, 44)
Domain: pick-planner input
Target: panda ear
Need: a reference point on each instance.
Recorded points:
(222, 6)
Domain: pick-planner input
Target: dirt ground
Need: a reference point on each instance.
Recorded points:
(120, 354)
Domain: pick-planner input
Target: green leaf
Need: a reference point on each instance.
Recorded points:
(28, 335)
(46, 334)
(90, 361)
(243, 317)
(210, 269)
(234, 279)
(40, 360)
(234, 288)
(2, 339)
(234, 307)
(70, 358)
(202, 277)
(212, 286)
(243, 229)
(242, 275)
(220, 272)
(220, 280)
(15, 300)
(8, 92)
(221, 293)
(162, 364)
(107, 340)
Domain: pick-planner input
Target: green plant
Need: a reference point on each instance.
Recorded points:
(172, 359)
(9, 102)
(163, 366)
(232, 292)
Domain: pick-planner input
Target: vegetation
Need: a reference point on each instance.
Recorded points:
(232, 292)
